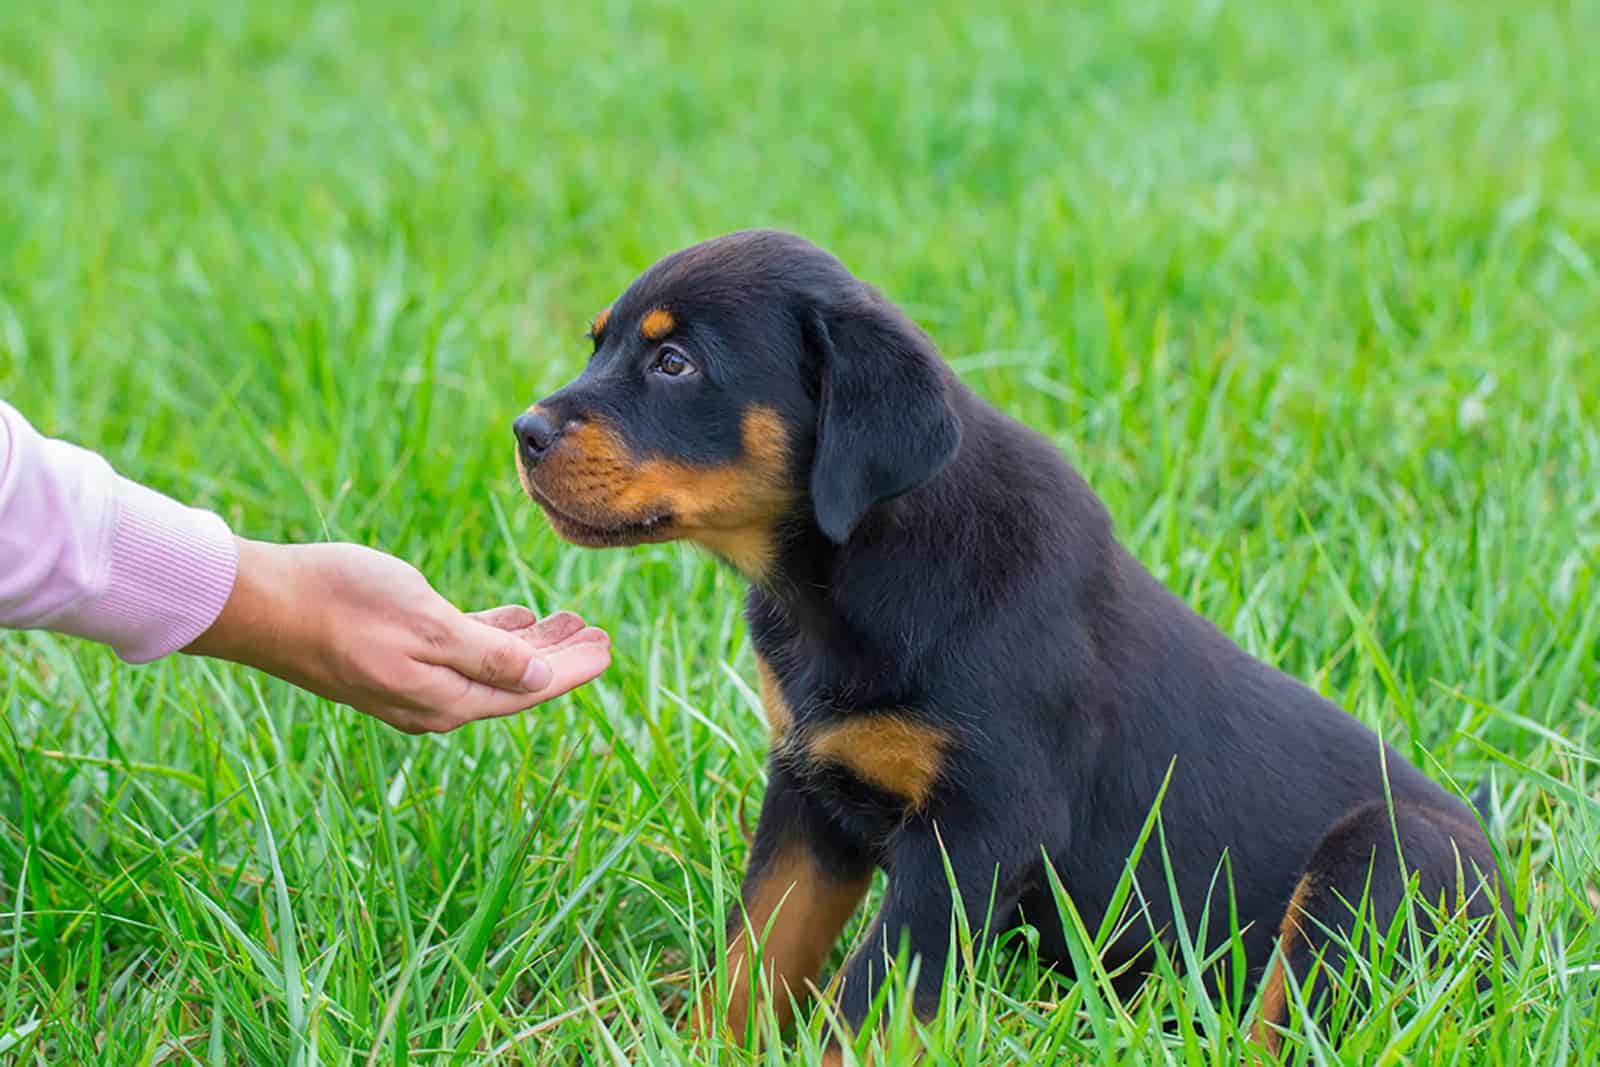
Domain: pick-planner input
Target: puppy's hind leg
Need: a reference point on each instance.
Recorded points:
(1356, 862)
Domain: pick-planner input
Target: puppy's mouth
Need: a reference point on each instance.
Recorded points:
(656, 526)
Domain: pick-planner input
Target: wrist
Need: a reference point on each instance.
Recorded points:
(248, 627)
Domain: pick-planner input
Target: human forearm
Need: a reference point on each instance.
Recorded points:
(88, 553)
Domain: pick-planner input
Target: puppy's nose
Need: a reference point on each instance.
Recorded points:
(535, 433)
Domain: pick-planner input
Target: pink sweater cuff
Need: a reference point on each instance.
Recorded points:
(86, 552)
(172, 569)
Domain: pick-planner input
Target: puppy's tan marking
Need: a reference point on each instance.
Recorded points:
(1274, 995)
(657, 324)
(888, 750)
(730, 508)
(598, 326)
(779, 718)
(796, 910)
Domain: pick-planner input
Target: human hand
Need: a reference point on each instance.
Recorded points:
(363, 628)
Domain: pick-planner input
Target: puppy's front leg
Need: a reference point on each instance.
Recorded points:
(803, 884)
(917, 907)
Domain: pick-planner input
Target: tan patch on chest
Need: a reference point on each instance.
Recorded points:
(779, 718)
(889, 750)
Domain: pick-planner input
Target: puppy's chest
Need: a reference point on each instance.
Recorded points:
(878, 764)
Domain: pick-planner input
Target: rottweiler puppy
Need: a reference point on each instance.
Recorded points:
(957, 658)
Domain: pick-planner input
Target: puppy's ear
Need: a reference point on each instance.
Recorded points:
(885, 425)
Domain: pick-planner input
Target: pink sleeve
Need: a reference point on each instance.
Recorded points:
(88, 553)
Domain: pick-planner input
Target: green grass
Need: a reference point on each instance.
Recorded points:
(1309, 291)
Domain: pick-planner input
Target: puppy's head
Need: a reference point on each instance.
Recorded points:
(738, 387)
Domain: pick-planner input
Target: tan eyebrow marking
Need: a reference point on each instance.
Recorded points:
(657, 324)
(598, 326)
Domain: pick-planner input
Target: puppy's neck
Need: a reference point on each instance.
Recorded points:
(850, 592)
(1006, 512)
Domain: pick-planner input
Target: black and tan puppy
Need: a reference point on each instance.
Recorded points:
(956, 655)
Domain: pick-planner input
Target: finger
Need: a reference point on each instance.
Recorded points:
(577, 637)
(506, 617)
(588, 633)
(493, 658)
(553, 629)
(571, 666)
(514, 618)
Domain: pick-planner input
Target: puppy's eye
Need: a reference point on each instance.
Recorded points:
(671, 362)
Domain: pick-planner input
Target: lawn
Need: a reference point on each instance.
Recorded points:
(1310, 292)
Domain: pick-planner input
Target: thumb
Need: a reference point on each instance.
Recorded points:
(496, 658)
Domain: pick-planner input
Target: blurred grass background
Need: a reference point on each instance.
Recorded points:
(1308, 291)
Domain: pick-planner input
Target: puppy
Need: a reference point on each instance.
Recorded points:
(958, 660)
